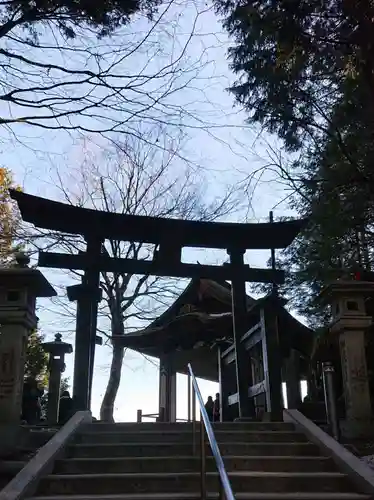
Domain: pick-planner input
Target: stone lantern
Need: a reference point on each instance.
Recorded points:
(19, 288)
(349, 324)
(56, 350)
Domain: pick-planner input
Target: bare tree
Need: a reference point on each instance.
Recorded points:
(61, 71)
(134, 178)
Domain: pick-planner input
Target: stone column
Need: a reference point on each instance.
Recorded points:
(349, 323)
(56, 366)
(358, 404)
(19, 288)
(13, 342)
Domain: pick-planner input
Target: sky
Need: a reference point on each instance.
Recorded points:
(216, 137)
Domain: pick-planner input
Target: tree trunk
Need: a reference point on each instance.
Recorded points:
(107, 406)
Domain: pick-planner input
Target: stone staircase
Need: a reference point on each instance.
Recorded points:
(32, 439)
(265, 461)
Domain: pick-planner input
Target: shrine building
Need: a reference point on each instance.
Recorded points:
(197, 329)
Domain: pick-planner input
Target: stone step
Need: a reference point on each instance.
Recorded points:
(11, 466)
(264, 482)
(160, 426)
(42, 427)
(186, 436)
(8, 470)
(35, 440)
(214, 496)
(192, 464)
(163, 449)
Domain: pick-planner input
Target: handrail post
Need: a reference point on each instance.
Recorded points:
(139, 416)
(194, 447)
(330, 399)
(202, 460)
(193, 405)
(189, 397)
(207, 430)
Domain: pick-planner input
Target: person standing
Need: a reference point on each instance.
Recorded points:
(31, 407)
(216, 409)
(209, 407)
(66, 409)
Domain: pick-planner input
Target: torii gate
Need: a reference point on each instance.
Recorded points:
(169, 236)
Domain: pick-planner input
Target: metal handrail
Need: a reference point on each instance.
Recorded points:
(140, 415)
(206, 427)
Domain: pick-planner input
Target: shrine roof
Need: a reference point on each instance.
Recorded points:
(210, 297)
(207, 319)
(71, 219)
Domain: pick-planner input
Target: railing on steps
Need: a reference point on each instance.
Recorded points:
(25, 482)
(160, 417)
(359, 473)
(140, 415)
(206, 429)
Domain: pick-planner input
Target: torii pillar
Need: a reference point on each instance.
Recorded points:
(239, 312)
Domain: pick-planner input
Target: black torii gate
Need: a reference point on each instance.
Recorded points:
(169, 236)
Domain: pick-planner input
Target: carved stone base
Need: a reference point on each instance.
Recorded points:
(353, 429)
(12, 438)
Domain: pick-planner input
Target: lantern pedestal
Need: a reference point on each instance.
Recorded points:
(56, 351)
(19, 288)
(349, 324)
